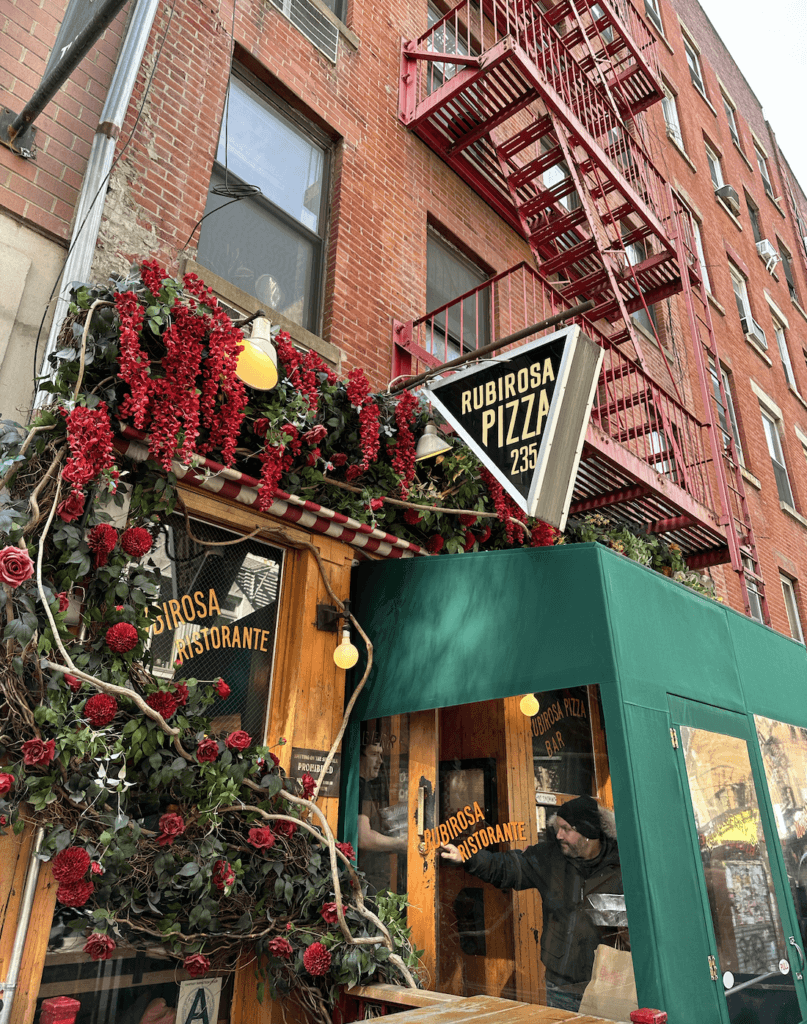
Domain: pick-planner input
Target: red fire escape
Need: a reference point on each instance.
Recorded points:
(539, 108)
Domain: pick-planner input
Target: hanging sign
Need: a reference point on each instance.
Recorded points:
(525, 414)
(198, 1001)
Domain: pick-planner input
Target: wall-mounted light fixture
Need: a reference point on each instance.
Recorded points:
(328, 615)
(431, 443)
(529, 705)
(257, 364)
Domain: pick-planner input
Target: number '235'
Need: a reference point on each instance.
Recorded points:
(524, 458)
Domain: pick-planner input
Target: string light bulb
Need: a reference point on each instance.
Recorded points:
(257, 363)
(529, 705)
(346, 655)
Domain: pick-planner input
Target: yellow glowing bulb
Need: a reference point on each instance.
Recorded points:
(529, 705)
(256, 368)
(346, 655)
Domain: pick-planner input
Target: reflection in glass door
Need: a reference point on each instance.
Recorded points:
(752, 951)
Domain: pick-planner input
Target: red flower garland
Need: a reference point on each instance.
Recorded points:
(403, 461)
(369, 438)
(89, 436)
(133, 362)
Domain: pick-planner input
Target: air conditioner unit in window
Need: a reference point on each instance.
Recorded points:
(729, 196)
(753, 332)
(768, 254)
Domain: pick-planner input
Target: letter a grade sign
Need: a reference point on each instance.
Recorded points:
(525, 414)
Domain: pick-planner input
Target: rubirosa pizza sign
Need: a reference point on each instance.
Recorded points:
(525, 415)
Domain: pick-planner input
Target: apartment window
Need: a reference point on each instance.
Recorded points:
(762, 163)
(771, 428)
(732, 120)
(462, 326)
(791, 607)
(558, 174)
(269, 244)
(696, 233)
(753, 216)
(749, 326)
(670, 109)
(653, 12)
(637, 253)
(754, 599)
(715, 170)
(781, 341)
(725, 413)
(445, 39)
(787, 267)
(694, 63)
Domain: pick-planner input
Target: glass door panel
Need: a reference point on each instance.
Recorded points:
(752, 951)
(784, 755)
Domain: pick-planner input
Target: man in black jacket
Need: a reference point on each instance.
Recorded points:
(580, 860)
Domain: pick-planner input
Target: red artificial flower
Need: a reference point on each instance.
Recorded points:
(353, 472)
(152, 276)
(223, 874)
(315, 434)
(309, 785)
(74, 894)
(72, 507)
(435, 543)
(261, 838)
(171, 825)
(329, 914)
(281, 948)
(285, 828)
(165, 704)
(70, 865)
(133, 363)
(136, 541)
(96, 868)
(376, 504)
(506, 508)
(16, 566)
(197, 965)
(347, 850)
(369, 438)
(72, 682)
(470, 540)
(6, 783)
(467, 518)
(275, 758)
(543, 535)
(181, 693)
(484, 537)
(339, 459)
(35, 753)
(358, 387)
(238, 740)
(311, 460)
(64, 600)
(222, 689)
(412, 517)
(317, 959)
(260, 426)
(89, 436)
(100, 709)
(403, 461)
(122, 637)
(99, 947)
(101, 540)
(208, 750)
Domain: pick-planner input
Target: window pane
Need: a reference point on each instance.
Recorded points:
(781, 341)
(777, 460)
(383, 803)
(792, 608)
(464, 325)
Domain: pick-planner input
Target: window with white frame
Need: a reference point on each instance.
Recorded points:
(787, 268)
(762, 163)
(670, 110)
(781, 341)
(637, 253)
(791, 607)
(726, 415)
(271, 243)
(559, 174)
(715, 170)
(694, 64)
(653, 12)
(696, 234)
(749, 325)
(771, 426)
(754, 599)
(728, 106)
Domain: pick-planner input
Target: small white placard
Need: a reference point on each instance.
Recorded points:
(546, 798)
(198, 1001)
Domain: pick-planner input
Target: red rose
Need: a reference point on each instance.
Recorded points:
(171, 825)
(136, 541)
(260, 426)
(376, 504)
(96, 868)
(197, 965)
(72, 507)
(208, 750)
(3, 821)
(64, 600)
(36, 753)
(347, 850)
(6, 783)
(165, 704)
(72, 682)
(339, 459)
(181, 693)
(99, 947)
(309, 785)
(223, 874)
(261, 838)
(100, 709)
(353, 472)
(315, 434)
(122, 637)
(222, 689)
(238, 740)
(281, 948)
(16, 566)
(329, 914)
(285, 828)
(74, 894)
(317, 959)
(275, 758)
(70, 865)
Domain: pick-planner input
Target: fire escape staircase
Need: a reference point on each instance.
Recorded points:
(536, 108)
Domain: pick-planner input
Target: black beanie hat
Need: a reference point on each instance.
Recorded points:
(583, 814)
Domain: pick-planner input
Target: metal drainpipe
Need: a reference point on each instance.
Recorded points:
(9, 986)
(78, 265)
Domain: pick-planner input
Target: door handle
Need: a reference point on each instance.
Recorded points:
(797, 947)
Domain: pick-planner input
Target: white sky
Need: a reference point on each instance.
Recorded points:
(768, 42)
